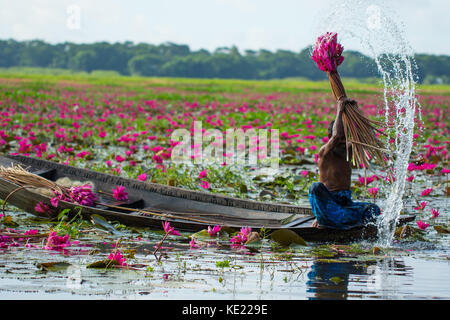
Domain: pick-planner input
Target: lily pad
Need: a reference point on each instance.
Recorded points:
(286, 237)
(52, 266)
(9, 222)
(336, 280)
(441, 229)
(103, 264)
(204, 235)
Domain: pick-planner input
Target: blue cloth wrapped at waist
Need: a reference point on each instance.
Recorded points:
(337, 210)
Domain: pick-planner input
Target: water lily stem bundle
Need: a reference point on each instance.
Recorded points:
(336, 85)
(361, 134)
(359, 130)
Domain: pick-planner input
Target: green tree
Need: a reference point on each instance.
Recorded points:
(146, 65)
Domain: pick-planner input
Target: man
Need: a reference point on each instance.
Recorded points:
(331, 198)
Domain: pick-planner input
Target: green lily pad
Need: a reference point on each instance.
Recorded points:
(52, 266)
(103, 264)
(336, 280)
(204, 235)
(286, 237)
(441, 229)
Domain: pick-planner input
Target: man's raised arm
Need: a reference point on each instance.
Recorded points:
(338, 133)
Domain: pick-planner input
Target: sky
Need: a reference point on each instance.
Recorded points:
(208, 24)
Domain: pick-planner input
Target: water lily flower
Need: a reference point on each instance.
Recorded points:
(54, 201)
(193, 245)
(83, 195)
(202, 174)
(120, 158)
(41, 207)
(368, 180)
(426, 192)
(170, 230)
(142, 177)
(120, 193)
(30, 232)
(55, 242)
(328, 52)
(242, 236)
(422, 225)
(213, 231)
(117, 256)
(204, 184)
(435, 213)
(373, 191)
(421, 206)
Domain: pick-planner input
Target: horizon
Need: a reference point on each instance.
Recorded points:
(241, 51)
(198, 25)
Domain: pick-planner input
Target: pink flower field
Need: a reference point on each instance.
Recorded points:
(123, 126)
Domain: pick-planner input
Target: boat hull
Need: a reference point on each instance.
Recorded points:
(186, 210)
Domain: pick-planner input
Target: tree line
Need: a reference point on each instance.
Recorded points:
(178, 60)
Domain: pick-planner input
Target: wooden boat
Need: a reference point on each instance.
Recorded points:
(149, 204)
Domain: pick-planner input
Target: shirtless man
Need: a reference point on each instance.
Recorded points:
(330, 198)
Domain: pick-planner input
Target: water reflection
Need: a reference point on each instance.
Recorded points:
(347, 279)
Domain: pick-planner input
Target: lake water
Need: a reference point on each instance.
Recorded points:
(406, 270)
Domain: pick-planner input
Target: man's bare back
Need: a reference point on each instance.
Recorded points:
(334, 169)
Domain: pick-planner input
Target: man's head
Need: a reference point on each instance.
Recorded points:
(330, 129)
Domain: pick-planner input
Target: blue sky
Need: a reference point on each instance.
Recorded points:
(208, 24)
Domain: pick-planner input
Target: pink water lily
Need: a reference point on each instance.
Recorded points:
(54, 201)
(170, 230)
(55, 242)
(142, 177)
(193, 245)
(373, 191)
(41, 208)
(117, 256)
(435, 213)
(120, 158)
(421, 206)
(241, 237)
(204, 184)
(202, 174)
(422, 225)
(327, 52)
(83, 195)
(368, 180)
(213, 231)
(426, 192)
(30, 232)
(120, 193)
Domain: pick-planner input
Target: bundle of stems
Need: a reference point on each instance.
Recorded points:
(22, 177)
(359, 130)
(26, 179)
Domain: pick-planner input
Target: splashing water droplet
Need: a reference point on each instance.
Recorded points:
(374, 28)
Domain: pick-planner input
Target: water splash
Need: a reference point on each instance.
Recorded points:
(377, 31)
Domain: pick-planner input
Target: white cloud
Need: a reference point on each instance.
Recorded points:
(248, 24)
